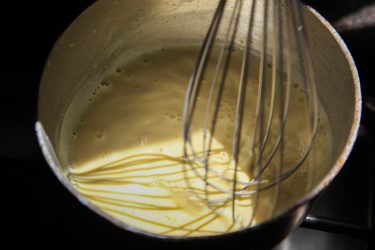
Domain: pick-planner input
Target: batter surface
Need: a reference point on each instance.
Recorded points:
(125, 151)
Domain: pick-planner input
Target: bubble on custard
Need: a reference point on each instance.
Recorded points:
(72, 137)
(105, 83)
(172, 115)
(145, 60)
(99, 134)
(74, 134)
(105, 154)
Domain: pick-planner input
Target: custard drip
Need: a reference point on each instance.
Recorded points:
(125, 152)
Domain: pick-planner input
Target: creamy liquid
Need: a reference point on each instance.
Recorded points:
(125, 152)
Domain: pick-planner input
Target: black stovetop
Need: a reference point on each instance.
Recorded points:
(40, 210)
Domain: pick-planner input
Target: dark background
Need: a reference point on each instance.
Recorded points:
(38, 210)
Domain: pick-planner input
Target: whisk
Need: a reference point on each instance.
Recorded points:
(275, 31)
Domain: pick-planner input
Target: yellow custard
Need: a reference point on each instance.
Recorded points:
(125, 151)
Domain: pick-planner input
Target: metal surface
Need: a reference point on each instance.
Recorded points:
(81, 50)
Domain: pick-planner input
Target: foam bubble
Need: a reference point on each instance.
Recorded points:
(99, 135)
(105, 83)
(145, 60)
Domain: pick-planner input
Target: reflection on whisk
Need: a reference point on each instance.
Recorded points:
(271, 38)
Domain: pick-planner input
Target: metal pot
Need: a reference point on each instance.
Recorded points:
(110, 28)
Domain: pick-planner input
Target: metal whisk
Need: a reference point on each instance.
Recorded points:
(282, 45)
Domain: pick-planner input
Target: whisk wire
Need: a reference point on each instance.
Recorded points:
(193, 86)
(227, 46)
(286, 30)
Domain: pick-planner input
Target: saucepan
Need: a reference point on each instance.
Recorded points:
(110, 28)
